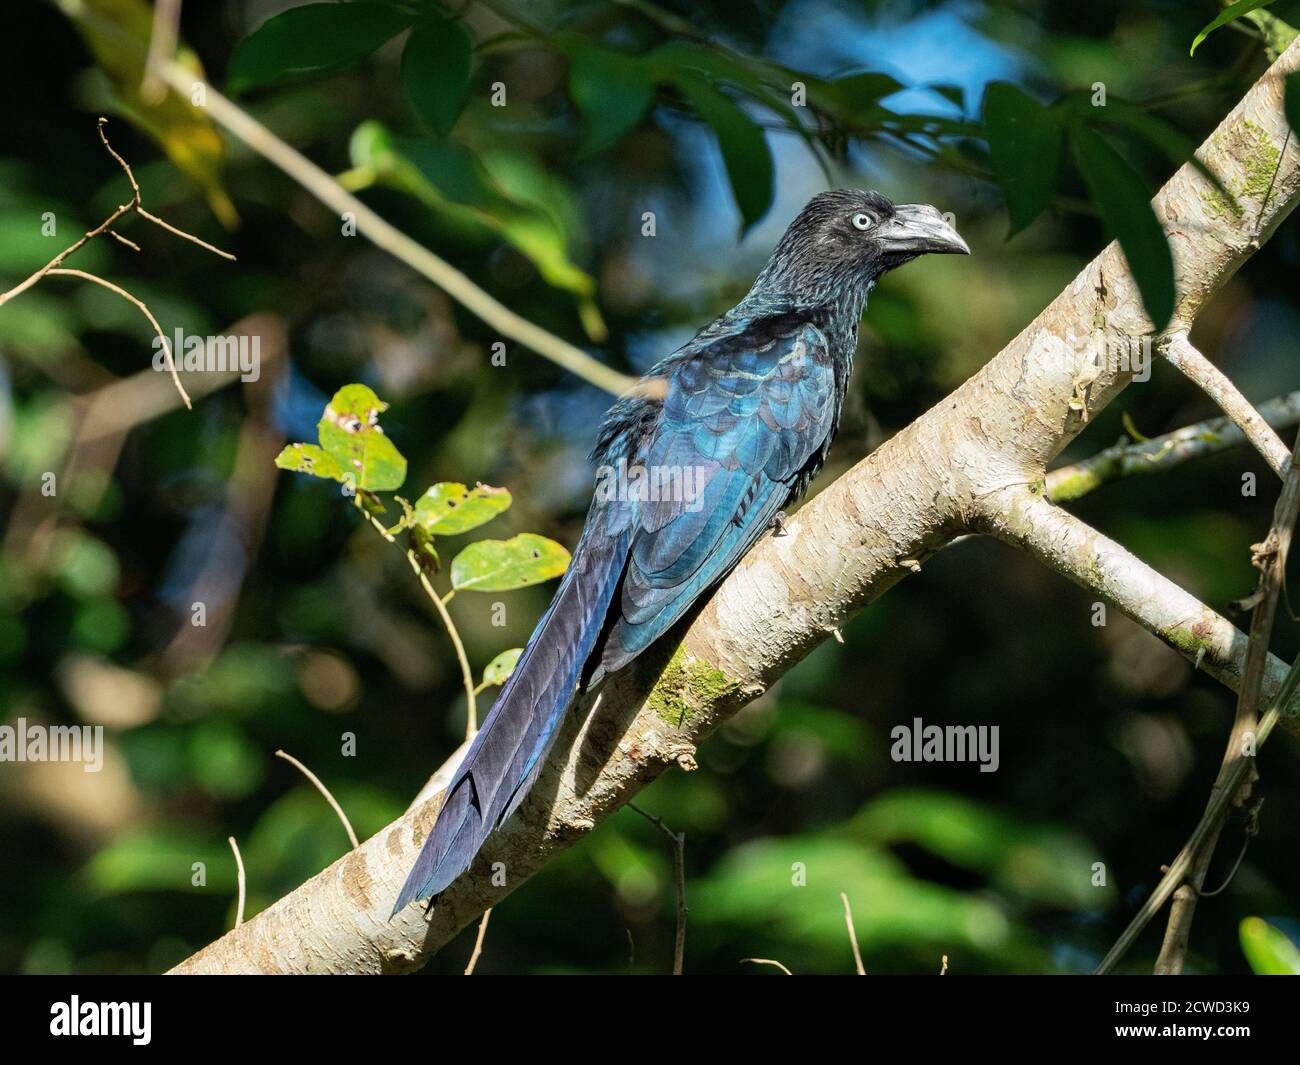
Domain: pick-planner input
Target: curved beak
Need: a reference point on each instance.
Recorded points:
(918, 228)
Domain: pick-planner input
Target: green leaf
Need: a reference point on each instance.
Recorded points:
(452, 180)
(1228, 14)
(1269, 952)
(436, 65)
(501, 565)
(1025, 140)
(312, 460)
(349, 430)
(1122, 198)
(1293, 103)
(448, 508)
(743, 146)
(855, 97)
(612, 91)
(1171, 142)
(499, 669)
(312, 39)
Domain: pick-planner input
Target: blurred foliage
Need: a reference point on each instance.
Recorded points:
(526, 144)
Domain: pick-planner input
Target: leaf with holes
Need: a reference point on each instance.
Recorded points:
(448, 508)
(311, 460)
(349, 430)
(502, 565)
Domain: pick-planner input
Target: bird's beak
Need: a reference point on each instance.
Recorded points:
(918, 228)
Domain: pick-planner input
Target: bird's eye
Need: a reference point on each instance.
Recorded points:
(862, 220)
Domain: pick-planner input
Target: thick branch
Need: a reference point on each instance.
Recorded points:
(983, 450)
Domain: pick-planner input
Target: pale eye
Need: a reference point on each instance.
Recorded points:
(862, 220)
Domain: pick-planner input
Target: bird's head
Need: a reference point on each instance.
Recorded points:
(845, 239)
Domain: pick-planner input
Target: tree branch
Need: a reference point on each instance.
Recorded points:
(978, 456)
(1179, 352)
(1162, 453)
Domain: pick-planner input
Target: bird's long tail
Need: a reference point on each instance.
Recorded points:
(510, 748)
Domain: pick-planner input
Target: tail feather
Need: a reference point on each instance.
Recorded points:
(508, 752)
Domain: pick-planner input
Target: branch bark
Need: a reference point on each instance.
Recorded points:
(974, 463)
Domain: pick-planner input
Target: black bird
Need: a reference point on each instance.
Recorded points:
(746, 413)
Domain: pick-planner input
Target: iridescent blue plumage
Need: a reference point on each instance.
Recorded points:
(740, 423)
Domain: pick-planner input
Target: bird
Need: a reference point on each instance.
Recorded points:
(751, 404)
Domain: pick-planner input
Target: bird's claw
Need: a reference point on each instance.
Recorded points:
(778, 524)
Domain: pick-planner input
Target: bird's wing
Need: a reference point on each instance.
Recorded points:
(742, 422)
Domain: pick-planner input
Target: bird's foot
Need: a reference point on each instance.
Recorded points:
(778, 524)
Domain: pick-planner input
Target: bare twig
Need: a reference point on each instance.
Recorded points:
(239, 875)
(1180, 353)
(1238, 769)
(1270, 558)
(1162, 453)
(478, 943)
(679, 876)
(139, 303)
(347, 825)
(767, 961)
(106, 226)
(853, 935)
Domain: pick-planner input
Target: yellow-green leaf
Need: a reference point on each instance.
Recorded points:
(349, 431)
(310, 459)
(499, 669)
(500, 565)
(449, 508)
(1269, 952)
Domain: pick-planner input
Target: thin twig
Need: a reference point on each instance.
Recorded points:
(139, 303)
(239, 875)
(1162, 453)
(767, 961)
(853, 935)
(106, 226)
(1270, 557)
(1180, 353)
(1238, 770)
(347, 825)
(679, 876)
(478, 943)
